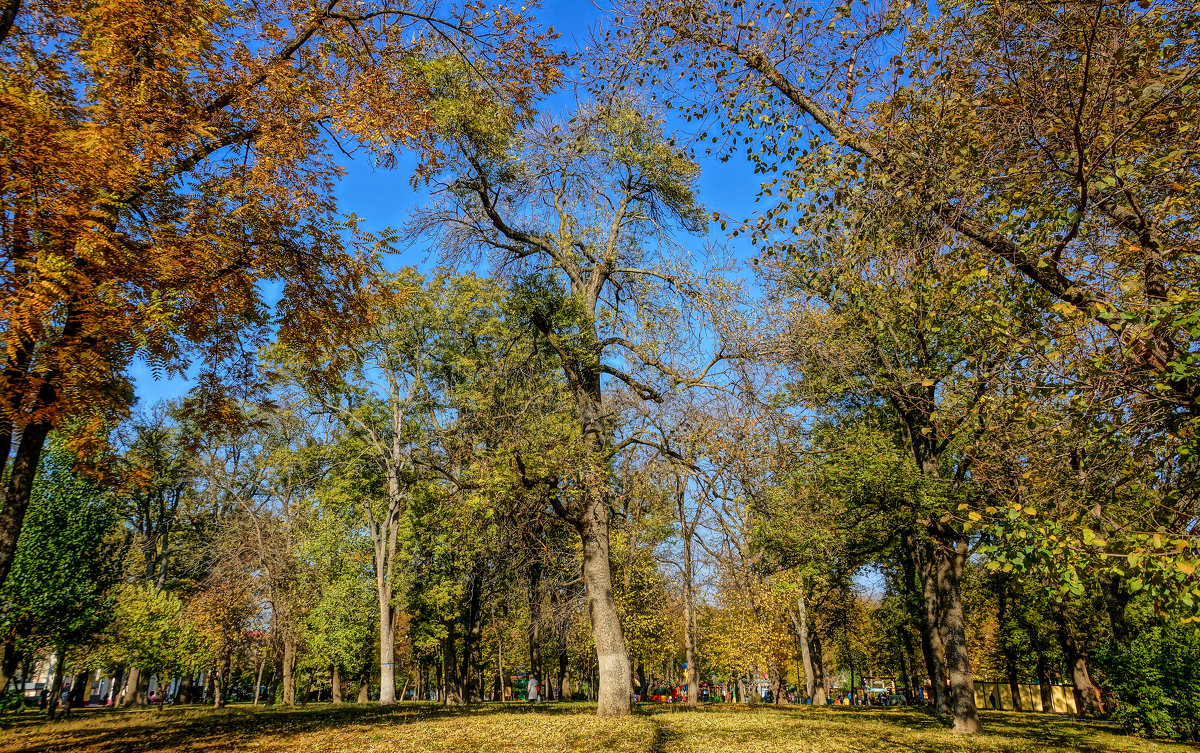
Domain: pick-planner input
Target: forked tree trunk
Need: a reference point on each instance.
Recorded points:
(951, 555)
(810, 653)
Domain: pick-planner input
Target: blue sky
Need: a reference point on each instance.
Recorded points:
(382, 198)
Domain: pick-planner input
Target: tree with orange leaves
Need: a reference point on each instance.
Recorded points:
(161, 160)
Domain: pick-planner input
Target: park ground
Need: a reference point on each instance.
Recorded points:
(413, 728)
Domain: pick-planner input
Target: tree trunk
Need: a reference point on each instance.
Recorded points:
(931, 637)
(335, 684)
(951, 555)
(262, 667)
(1086, 696)
(613, 698)
(1011, 667)
(19, 486)
(911, 684)
(535, 621)
(1044, 688)
(184, 694)
(8, 664)
(472, 651)
(79, 687)
(55, 687)
(561, 680)
(810, 654)
(454, 681)
(289, 669)
(220, 679)
(136, 684)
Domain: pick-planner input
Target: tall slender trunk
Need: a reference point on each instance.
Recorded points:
(454, 681)
(951, 555)
(534, 633)
(560, 682)
(1087, 702)
(79, 687)
(472, 637)
(262, 667)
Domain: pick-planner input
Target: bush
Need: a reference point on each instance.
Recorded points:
(1155, 680)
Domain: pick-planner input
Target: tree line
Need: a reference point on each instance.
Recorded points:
(958, 365)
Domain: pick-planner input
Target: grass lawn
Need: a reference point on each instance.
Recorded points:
(414, 727)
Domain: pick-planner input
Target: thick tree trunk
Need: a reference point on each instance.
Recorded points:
(289, 669)
(1087, 701)
(387, 651)
(335, 683)
(613, 698)
(136, 682)
(951, 555)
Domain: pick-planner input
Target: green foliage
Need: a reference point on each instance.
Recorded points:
(66, 560)
(150, 631)
(1155, 681)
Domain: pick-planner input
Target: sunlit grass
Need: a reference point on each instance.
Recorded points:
(411, 728)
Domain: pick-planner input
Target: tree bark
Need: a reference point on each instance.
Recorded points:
(453, 679)
(19, 486)
(810, 654)
(289, 669)
(931, 637)
(951, 555)
(1044, 688)
(335, 689)
(8, 664)
(534, 633)
(472, 651)
(55, 687)
(1087, 702)
(136, 684)
(613, 698)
